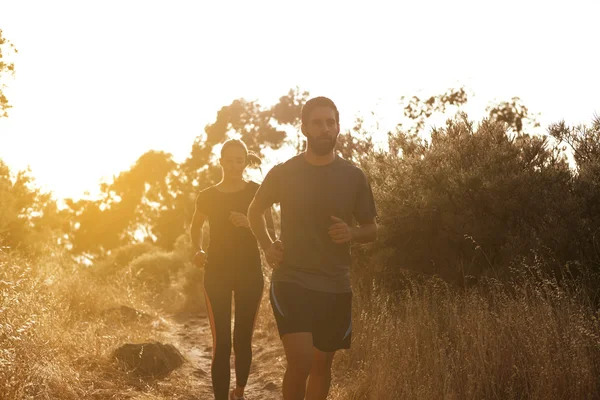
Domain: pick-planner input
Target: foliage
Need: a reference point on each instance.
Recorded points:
(475, 199)
(28, 216)
(7, 68)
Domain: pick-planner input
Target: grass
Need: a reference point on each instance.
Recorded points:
(531, 338)
(59, 325)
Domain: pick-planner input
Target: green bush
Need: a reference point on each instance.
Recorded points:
(473, 200)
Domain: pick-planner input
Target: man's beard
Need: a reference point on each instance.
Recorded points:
(321, 146)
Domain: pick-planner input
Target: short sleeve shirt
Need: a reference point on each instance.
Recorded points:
(309, 195)
(229, 246)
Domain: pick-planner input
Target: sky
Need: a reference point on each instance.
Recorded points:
(98, 83)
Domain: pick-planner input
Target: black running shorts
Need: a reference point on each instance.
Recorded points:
(328, 316)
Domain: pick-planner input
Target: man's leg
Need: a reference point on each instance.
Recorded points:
(299, 354)
(319, 380)
(333, 331)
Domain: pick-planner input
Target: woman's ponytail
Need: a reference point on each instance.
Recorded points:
(253, 160)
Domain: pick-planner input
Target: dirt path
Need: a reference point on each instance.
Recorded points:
(192, 336)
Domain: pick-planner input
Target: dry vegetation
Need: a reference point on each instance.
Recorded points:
(59, 324)
(531, 339)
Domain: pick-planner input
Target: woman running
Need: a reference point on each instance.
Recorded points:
(232, 265)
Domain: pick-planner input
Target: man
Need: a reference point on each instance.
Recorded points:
(320, 196)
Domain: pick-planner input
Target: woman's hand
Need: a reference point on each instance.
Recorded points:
(239, 220)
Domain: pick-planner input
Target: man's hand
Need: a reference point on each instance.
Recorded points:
(339, 232)
(199, 259)
(274, 254)
(239, 220)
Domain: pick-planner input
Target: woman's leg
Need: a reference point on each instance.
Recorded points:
(247, 295)
(218, 303)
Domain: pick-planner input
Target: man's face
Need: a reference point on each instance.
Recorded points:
(321, 130)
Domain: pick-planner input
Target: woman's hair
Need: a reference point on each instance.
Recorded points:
(252, 160)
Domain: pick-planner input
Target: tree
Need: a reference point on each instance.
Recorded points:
(256, 125)
(6, 68)
(129, 206)
(513, 113)
(355, 144)
(419, 110)
(29, 218)
(288, 111)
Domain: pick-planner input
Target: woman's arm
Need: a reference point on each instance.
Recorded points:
(196, 230)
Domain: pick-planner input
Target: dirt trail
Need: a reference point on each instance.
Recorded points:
(192, 336)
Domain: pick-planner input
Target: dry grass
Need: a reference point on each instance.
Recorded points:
(59, 326)
(533, 339)
(528, 340)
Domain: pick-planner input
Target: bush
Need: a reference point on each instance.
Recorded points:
(155, 270)
(120, 258)
(472, 201)
(164, 279)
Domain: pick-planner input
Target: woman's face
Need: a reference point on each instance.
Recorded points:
(233, 161)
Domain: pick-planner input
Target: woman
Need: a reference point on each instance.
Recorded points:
(232, 265)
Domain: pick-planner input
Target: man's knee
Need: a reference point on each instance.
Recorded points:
(300, 364)
(298, 349)
(299, 371)
(321, 363)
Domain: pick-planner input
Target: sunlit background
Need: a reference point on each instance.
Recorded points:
(99, 83)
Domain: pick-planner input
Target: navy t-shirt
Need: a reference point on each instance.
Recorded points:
(309, 195)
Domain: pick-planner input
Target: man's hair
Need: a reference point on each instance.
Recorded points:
(317, 102)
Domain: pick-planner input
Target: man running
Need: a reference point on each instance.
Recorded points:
(326, 203)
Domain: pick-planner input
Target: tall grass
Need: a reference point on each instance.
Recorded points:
(532, 338)
(59, 324)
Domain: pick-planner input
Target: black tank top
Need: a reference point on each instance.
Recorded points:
(230, 247)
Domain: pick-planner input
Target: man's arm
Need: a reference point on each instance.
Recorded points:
(256, 217)
(270, 223)
(264, 198)
(340, 232)
(365, 213)
(365, 233)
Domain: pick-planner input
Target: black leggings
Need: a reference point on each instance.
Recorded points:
(247, 288)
